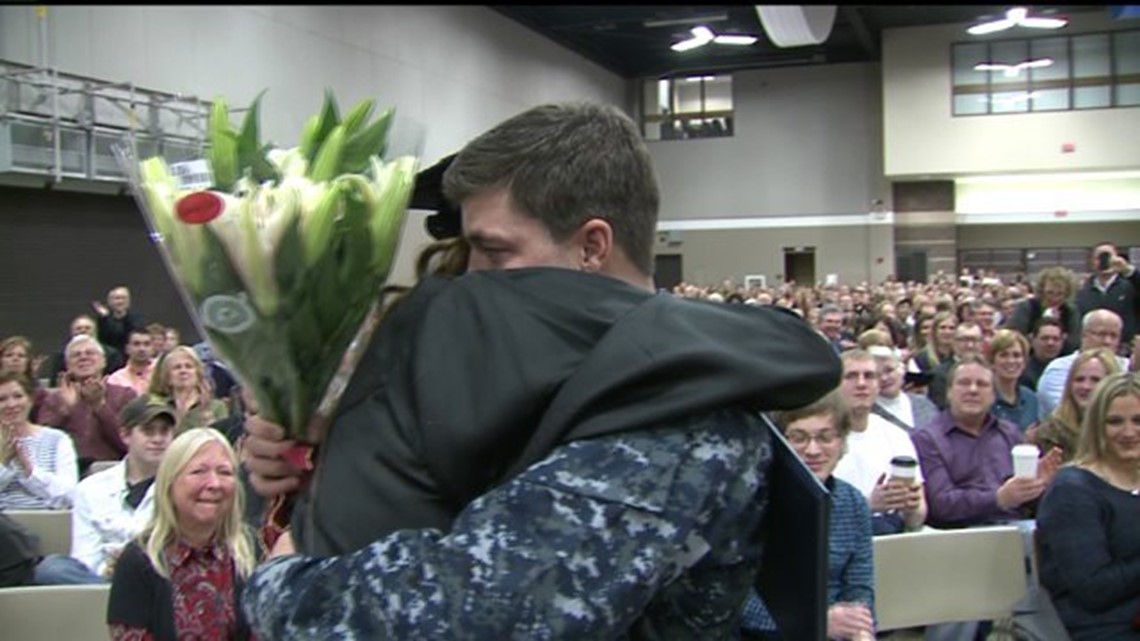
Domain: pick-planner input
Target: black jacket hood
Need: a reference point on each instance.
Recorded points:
(487, 372)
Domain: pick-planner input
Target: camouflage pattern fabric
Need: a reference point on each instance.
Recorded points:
(642, 535)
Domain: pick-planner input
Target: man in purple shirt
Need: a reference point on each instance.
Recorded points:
(965, 456)
(966, 460)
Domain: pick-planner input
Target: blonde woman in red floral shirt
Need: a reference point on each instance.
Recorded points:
(182, 578)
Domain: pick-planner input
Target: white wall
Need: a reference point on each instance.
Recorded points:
(922, 138)
(807, 141)
(450, 71)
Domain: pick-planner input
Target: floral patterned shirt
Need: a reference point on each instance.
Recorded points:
(202, 593)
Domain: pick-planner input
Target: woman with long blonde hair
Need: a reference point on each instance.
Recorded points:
(181, 377)
(182, 577)
(1088, 519)
(939, 344)
(1063, 428)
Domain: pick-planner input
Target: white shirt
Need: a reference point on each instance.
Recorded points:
(1051, 385)
(900, 407)
(102, 521)
(55, 473)
(869, 454)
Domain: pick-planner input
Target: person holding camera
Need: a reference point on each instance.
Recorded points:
(1115, 285)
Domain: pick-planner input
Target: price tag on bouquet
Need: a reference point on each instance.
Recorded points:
(192, 175)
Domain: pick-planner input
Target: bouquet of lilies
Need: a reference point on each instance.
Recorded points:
(281, 254)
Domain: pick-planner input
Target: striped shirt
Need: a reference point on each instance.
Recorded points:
(54, 476)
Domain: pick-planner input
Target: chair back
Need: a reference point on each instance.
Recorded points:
(51, 527)
(99, 466)
(941, 576)
(38, 613)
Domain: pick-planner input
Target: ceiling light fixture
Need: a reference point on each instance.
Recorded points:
(1016, 17)
(1012, 71)
(702, 35)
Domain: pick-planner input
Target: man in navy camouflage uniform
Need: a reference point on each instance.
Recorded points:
(542, 448)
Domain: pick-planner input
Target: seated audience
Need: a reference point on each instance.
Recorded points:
(136, 374)
(157, 340)
(1087, 523)
(1013, 402)
(1099, 328)
(871, 444)
(965, 455)
(1052, 299)
(37, 463)
(217, 371)
(112, 506)
(82, 325)
(181, 578)
(967, 341)
(16, 358)
(181, 377)
(1062, 429)
(1047, 340)
(939, 343)
(85, 406)
(907, 410)
(817, 433)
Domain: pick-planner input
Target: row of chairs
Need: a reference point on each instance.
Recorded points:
(921, 578)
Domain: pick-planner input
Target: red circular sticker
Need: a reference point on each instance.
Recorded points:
(199, 207)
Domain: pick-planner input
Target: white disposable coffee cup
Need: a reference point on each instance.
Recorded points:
(1025, 460)
(904, 468)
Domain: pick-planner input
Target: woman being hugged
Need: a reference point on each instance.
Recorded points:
(182, 577)
(181, 377)
(38, 468)
(1088, 520)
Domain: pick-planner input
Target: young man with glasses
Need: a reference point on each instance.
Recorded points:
(818, 434)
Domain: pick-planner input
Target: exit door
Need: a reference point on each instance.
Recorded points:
(799, 265)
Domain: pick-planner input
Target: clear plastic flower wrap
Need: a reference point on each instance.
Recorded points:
(281, 254)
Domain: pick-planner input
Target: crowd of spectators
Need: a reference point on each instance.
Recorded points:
(946, 376)
(955, 373)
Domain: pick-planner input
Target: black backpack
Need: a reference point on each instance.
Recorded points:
(19, 553)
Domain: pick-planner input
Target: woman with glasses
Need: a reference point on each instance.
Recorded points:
(818, 434)
(1088, 520)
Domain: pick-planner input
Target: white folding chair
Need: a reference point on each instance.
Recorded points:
(942, 576)
(40, 613)
(53, 527)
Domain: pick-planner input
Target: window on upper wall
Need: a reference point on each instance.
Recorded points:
(687, 107)
(1055, 73)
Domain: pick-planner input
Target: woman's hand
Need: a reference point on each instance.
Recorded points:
(265, 445)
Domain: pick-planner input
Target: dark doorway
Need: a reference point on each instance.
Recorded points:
(667, 271)
(911, 266)
(799, 265)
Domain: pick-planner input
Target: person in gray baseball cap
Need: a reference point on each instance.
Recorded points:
(112, 506)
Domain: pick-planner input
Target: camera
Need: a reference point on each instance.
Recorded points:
(1103, 261)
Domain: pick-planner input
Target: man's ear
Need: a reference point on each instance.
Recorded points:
(596, 240)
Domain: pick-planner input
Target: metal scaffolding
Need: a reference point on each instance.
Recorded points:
(63, 126)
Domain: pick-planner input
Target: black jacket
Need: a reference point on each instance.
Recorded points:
(1026, 314)
(1122, 297)
(469, 381)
